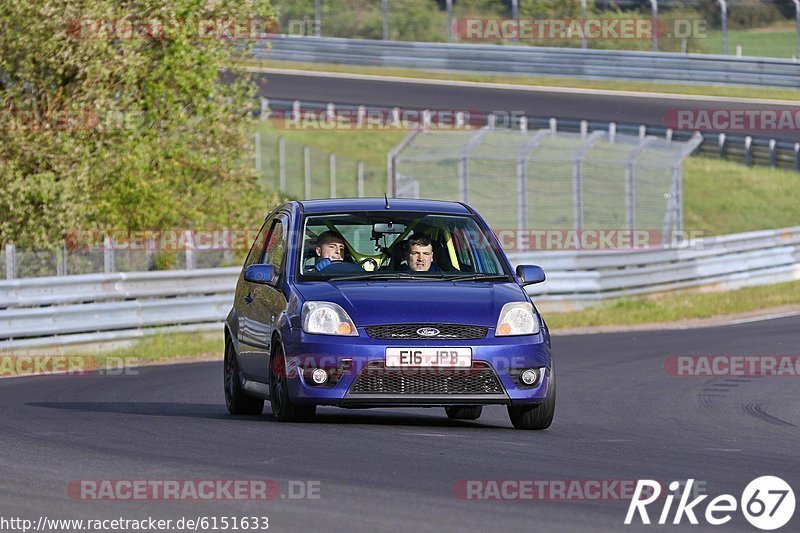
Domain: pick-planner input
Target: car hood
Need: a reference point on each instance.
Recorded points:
(373, 303)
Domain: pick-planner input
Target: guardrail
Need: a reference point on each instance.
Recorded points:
(576, 279)
(99, 307)
(509, 59)
(62, 290)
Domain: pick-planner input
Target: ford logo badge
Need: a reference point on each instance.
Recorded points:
(428, 332)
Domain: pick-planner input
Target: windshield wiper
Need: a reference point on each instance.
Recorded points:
(480, 277)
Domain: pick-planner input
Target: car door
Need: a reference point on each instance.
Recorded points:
(263, 304)
(247, 331)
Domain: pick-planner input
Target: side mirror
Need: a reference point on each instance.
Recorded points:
(530, 274)
(259, 274)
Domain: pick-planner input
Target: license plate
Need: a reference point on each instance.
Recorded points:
(428, 357)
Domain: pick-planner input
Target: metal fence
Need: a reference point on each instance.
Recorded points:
(131, 254)
(727, 262)
(740, 148)
(539, 61)
(549, 180)
(101, 307)
(97, 307)
(305, 172)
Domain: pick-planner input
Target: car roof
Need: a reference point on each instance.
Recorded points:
(337, 205)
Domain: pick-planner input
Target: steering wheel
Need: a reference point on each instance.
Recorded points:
(369, 264)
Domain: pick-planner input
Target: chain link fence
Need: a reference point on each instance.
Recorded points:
(303, 172)
(178, 250)
(550, 181)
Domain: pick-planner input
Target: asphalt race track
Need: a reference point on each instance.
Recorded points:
(620, 416)
(546, 103)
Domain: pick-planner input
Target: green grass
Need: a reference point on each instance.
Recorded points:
(369, 146)
(678, 306)
(171, 346)
(549, 81)
(774, 41)
(161, 347)
(349, 146)
(725, 197)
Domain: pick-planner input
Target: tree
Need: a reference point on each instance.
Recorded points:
(106, 123)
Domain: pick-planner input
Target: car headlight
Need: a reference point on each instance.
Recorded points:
(326, 318)
(517, 318)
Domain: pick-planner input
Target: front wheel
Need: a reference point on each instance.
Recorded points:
(538, 416)
(282, 407)
(463, 412)
(237, 402)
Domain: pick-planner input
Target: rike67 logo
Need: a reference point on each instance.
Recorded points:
(767, 503)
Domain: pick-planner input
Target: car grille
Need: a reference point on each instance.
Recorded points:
(409, 331)
(375, 378)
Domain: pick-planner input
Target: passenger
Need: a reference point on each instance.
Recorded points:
(418, 251)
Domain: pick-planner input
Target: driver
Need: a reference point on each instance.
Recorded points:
(330, 255)
(330, 248)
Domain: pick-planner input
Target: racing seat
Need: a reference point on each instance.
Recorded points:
(441, 258)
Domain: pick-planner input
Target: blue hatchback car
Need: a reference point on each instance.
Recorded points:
(385, 303)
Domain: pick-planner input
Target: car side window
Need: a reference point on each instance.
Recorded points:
(275, 248)
(257, 250)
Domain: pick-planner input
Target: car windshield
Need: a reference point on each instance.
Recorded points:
(402, 246)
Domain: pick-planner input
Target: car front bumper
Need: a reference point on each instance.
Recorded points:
(491, 380)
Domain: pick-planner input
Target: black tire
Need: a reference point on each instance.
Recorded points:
(463, 412)
(282, 407)
(537, 416)
(237, 402)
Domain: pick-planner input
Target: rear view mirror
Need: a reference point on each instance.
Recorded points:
(389, 228)
(259, 274)
(530, 274)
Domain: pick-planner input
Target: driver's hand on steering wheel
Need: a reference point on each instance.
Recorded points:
(322, 264)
